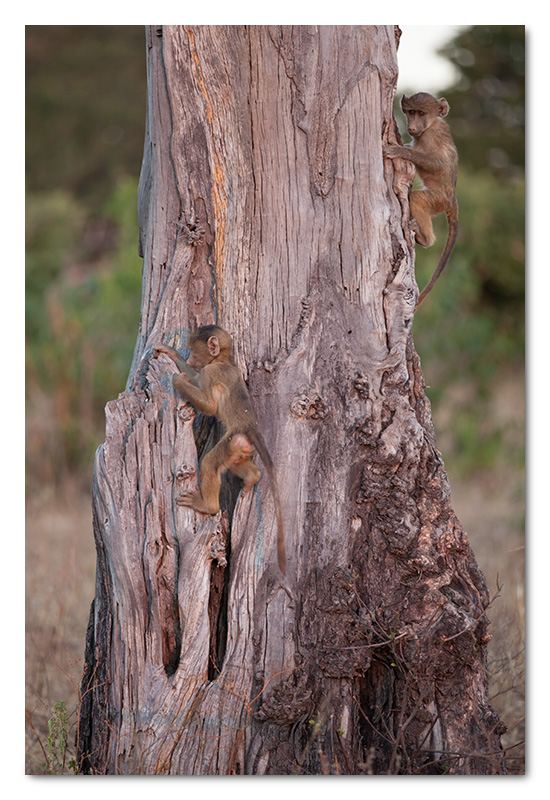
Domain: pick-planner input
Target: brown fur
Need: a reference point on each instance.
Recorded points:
(434, 155)
(212, 383)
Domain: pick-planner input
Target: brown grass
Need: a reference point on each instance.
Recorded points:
(491, 510)
(491, 506)
(60, 577)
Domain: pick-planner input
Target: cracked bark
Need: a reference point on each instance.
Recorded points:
(265, 205)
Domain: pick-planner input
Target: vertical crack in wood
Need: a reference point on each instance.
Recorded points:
(219, 196)
(207, 431)
(217, 616)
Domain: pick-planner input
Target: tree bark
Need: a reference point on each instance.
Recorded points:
(265, 205)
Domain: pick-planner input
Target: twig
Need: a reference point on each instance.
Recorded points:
(37, 737)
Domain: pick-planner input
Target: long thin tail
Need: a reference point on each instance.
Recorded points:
(257, 440)
(452, 220)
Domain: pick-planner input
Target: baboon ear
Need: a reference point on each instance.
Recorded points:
(213, 345)
(443, 107)
(404, 100)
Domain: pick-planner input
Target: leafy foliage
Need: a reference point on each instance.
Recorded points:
(85, 107)
(58, 732)
(85, 117)
(477, 306)
(81, 324)
(488, 102)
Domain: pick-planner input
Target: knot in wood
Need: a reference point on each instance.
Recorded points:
(217, 544)
(185, 471)
(309, 404)
(366, 432)
(389, 450)
(372, 486)
(306, 303)
(192, 230)
(305, 314)
(288, 702)
(361, 385)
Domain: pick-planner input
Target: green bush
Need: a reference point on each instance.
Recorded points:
(82, 317)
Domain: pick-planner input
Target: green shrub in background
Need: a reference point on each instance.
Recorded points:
(82, 312)
(470, 331)
(477, 306)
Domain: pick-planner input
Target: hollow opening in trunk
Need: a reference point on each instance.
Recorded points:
(208, 431)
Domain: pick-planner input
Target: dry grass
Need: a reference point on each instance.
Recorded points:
(491, 511)
(491, 507)
(60, 577)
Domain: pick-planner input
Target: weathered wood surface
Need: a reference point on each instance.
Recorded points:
(265, 205)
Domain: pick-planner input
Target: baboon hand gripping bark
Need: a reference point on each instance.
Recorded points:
(212, 383)
(434, 155)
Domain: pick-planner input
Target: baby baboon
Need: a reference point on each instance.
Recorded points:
(434, 155)
(211, 382)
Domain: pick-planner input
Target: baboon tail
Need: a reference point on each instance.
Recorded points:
(257, 440)
(452, 219)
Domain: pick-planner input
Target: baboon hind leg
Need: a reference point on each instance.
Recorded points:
(421, 204)
(213, 465)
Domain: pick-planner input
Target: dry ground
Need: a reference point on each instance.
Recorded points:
(492, 517)
(491, 506)
(60, 578)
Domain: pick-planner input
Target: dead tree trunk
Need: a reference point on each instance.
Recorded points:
(265, 205)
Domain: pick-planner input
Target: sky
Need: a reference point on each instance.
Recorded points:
(420, 68)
